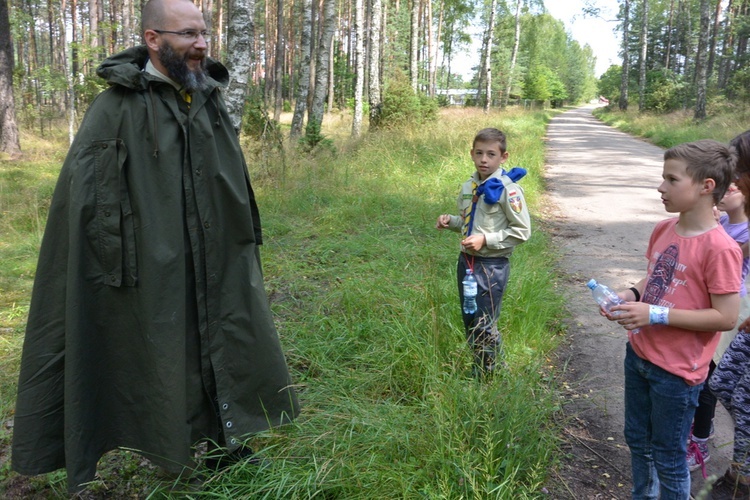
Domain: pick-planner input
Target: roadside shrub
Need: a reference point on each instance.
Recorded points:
(609, 83)
(739, 85)
(402, 106)
(314, 138)
(664, 91)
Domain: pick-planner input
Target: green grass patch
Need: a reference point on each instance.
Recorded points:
(363, 288)
(670, 129)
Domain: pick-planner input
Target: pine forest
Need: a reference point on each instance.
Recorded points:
(385, 60)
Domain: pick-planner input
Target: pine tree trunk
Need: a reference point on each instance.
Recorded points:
(9, 139)
(623, 104)
(714, 39)
(701, 67)
(669, 34)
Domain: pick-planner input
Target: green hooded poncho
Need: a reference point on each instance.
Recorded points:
(149, 325)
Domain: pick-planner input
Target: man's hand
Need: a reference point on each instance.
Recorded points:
(443, 221)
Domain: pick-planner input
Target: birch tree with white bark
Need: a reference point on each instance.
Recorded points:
(374, 43)
(642, 60)
(488, 57)
(359, 63)
(303, 85)
(240, 33)
(514, 54)
(322, 66)
(414, 45)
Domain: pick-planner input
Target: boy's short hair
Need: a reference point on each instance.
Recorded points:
(707, 159)
(490, 135)
(742, 144)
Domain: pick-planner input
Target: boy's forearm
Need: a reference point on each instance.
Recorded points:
(702, 320)
(722, 316)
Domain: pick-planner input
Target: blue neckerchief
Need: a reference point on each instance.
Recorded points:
(492, 189)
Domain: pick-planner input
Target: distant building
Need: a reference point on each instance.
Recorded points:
(458, 97)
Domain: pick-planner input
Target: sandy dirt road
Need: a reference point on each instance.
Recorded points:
(604, 204)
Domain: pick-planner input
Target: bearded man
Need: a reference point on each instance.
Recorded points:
(149, 325)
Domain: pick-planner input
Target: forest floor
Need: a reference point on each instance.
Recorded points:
(601, 208)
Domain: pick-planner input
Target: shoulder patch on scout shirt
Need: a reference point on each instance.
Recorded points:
(515, 202)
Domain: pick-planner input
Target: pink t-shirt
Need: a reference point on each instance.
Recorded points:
(682, 273)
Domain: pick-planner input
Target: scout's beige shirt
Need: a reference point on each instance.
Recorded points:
(504, 224)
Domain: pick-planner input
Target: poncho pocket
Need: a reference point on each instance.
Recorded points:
(114, 215)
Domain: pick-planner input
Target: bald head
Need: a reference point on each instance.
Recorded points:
(157, 14)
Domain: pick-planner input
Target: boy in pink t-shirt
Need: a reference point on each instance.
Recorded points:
(689, 295)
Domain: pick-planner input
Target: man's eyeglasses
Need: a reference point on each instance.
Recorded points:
(188, 34)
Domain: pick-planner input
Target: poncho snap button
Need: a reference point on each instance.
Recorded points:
(224, 406)
(229, 425)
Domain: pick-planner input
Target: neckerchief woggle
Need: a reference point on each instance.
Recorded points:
(492, 189)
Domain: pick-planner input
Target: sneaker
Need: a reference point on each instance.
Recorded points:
(697, 456)
(727, 488)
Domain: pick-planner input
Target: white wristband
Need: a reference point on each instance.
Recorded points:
(658, 315)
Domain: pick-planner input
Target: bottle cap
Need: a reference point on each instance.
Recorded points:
(591, 284)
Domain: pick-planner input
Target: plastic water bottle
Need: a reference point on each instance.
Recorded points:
(470, 293)
(604, 296)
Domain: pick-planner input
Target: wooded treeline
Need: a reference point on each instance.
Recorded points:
(389, 60)
(681, 54)
(525, 54)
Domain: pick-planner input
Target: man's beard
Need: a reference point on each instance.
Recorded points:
(179, 71)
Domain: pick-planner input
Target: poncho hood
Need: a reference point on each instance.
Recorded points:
(126, 69)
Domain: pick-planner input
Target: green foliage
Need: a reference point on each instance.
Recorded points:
(669, 129)
(314, 138)
(609, 83)
(402, 106)
(267, 145)
(363, 291)
(542, 84)
(739, 85)
(365, 106)
(87, 89)
(665, 91)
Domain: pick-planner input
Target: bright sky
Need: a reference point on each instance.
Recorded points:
(597, 32)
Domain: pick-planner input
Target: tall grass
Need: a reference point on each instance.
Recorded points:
(363, 288)
(25, 191)
(667, 130)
